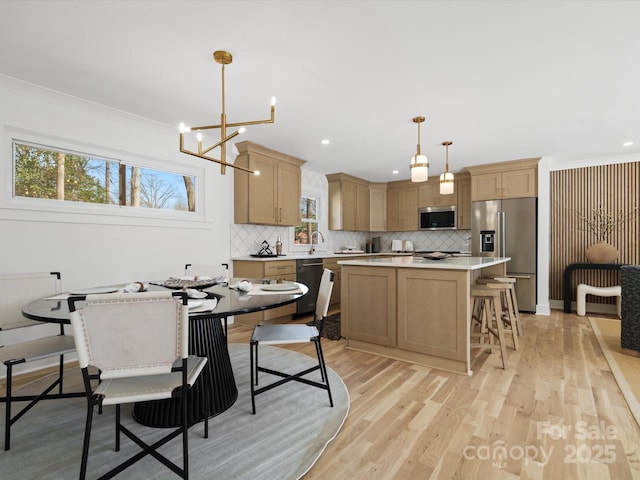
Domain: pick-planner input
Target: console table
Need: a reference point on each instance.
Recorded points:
(566, 277)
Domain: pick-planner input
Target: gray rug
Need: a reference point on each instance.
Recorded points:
(291, 429)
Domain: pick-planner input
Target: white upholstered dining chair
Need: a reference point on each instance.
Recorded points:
(279, 334)
(16, 290)
(139, 343)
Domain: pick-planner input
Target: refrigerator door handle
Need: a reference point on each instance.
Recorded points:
(503, 235)
(518, 276)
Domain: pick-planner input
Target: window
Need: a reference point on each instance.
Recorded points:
(51, 173)
(309, 214)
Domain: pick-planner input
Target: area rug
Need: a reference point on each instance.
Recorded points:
(293, 425)
(625, 368)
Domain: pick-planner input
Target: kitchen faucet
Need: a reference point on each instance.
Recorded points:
(313, 248)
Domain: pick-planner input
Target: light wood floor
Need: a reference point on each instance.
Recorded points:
(556, 412)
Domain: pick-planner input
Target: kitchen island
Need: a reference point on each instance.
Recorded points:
(411, 308)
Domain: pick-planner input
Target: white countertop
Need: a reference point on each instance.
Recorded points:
(317, 254)
(450, 263)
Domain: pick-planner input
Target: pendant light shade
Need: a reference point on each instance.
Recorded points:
(446, 179)
(419, 164)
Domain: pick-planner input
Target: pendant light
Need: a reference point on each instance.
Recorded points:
(419, 164)
(446, 179)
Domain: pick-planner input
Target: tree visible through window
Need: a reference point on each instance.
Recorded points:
(309, 215)
(49, 173)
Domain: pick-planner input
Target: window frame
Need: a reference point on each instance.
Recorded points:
(99, 213)
(308, 192)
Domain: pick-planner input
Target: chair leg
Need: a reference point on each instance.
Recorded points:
(7, 423)
(497, 309)
(61, 373)
(253, 381)
(87, 438)
(323, 368)
(185, 435)
(319, 355)
(117, 428)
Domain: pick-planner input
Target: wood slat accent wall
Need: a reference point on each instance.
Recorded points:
(616, 188)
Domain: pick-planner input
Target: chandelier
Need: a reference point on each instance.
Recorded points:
(419, 164)
(223, 58)
(446, 179)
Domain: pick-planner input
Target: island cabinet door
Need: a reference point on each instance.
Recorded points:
(432, 312)
(368, 304)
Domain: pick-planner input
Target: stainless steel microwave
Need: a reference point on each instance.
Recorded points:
(438, 218)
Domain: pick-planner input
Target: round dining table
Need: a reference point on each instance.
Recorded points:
(215, 390)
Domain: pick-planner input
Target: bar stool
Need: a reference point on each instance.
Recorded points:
(509, 300)
(487, 307)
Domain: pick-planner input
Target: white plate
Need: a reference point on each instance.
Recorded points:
(276, 287)
(193, 293)
(92, 291)
(194, 303)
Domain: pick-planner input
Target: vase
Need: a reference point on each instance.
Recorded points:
(601, 252)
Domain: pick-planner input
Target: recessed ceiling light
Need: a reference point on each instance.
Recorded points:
(326, 141)
(395, 172)
(627, 144)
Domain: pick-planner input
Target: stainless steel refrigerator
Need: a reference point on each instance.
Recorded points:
(507, 228)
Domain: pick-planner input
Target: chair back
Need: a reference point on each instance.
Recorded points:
(125, 334)
(201, 270)
(18, 289)
(324, 294)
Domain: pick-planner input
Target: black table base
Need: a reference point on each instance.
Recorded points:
(214, 391)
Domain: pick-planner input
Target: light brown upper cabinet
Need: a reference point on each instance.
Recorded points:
(378, 207)
(429, 194)
(463, 192)
(348, 203)
(273, 197)
(514, 179)
(402, 206)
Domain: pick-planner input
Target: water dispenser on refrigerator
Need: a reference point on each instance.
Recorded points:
(487, 241)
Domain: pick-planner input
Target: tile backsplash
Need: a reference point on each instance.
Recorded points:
(246, 239)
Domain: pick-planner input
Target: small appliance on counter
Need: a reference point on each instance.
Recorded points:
(375, 245)
(401, 246)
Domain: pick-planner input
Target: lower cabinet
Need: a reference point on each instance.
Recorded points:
(333, 265)
(272, 270)
(420, 315)
(369, 312)
(432, 312)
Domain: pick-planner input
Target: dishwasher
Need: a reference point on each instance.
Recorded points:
(309, 272)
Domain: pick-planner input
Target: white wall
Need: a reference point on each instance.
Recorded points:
(94, 248)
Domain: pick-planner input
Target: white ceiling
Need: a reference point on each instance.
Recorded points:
(501, 79)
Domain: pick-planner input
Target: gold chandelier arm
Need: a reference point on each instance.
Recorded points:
(226, 139)
(221, 162)
(238, 124)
